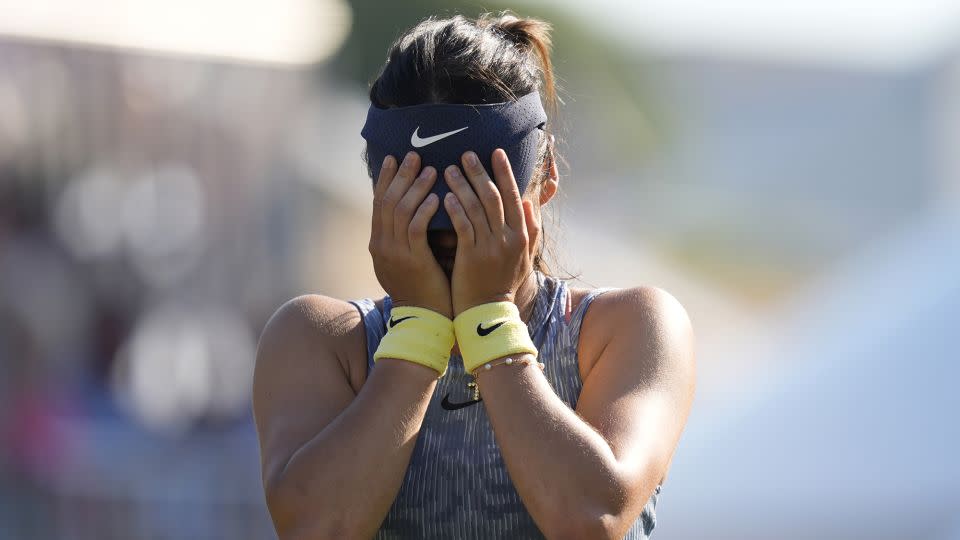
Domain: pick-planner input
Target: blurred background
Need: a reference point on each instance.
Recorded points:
(172, 171)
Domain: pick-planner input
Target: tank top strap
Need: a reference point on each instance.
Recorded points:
(374, 322)
(574, 321)
(547, 307)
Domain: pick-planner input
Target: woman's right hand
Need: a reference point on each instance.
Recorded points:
(402, 258)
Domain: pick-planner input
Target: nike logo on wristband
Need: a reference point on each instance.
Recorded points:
(481, 331)
(446, 404)
(400, 320)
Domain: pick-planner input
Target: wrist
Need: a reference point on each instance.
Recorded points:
(440, 308)
(522, 361)
(481, 300)
(489, 331)
(418, 335)
(406, 372)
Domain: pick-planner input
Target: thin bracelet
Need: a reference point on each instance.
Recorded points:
(525, 361)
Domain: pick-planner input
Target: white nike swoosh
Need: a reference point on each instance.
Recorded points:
(417, 142)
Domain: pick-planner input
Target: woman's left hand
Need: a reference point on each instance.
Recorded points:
(496, 232)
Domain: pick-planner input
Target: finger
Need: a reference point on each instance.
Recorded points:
(509, 191)
(387, 170)
(532, 226)
(395, 191)
(461, 224)
(468, 201)
(486, 190)
(411, 200)
(417, 230)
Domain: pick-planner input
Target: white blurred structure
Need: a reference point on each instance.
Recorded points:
(856, 436)
(275, 32)
(855, 34)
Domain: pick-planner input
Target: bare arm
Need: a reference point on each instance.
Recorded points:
(584, 473)
(588, 473)
(332, 460)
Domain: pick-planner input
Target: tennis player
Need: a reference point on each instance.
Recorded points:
(482, 397)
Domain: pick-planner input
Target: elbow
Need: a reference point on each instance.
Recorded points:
(292, 520)
(288, 519)
(593, 526)
(607, 519)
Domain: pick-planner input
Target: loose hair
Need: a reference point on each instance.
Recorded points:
(492, 59)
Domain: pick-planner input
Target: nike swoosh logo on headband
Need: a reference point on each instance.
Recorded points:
(417, 142)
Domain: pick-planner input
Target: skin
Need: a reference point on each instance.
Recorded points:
(335, 443)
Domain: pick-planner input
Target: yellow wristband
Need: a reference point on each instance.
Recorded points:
(490, 331)
(417, 335)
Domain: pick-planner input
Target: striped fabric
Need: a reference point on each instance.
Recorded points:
(457, 485)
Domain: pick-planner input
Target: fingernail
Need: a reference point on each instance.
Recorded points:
(471, 159)
(387, 162)
(453, 171)
(427, 172)
(410, 155)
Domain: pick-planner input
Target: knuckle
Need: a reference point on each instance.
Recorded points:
(388, 201)
(405, 207)
(417, 219)
(523, 239)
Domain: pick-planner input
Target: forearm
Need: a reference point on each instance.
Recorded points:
(342, 482)
(564, 471)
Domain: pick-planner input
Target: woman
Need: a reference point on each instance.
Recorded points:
(480, 398)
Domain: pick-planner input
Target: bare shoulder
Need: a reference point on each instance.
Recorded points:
(303, 376)
(310, 328)
(646, 318)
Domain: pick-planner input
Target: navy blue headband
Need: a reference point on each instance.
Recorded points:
(442, 132)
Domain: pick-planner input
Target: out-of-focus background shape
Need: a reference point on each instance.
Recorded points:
(171, 172)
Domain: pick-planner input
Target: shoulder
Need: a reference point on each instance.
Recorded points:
(644, 318)
(302, 379)
(308, 324)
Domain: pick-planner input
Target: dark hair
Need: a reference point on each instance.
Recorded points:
(492, 59)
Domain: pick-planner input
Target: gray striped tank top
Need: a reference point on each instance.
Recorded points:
(457, 485)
